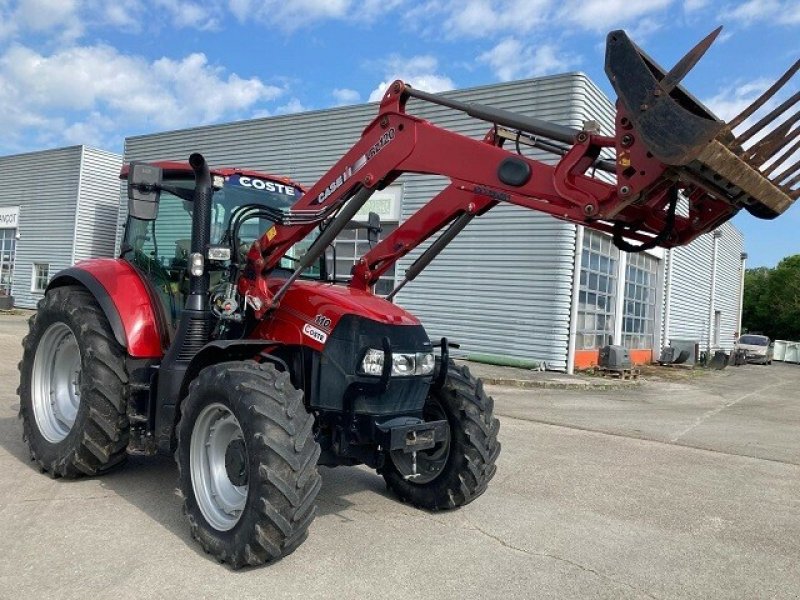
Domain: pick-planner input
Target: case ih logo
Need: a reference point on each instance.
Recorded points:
(384, 141)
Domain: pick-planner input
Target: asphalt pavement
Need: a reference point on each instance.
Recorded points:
(671, 489)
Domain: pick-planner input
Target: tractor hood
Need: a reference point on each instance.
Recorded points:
(331, 301)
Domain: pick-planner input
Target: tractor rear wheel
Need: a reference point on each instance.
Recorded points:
(248, 463)
(454, 472)
(73, 387)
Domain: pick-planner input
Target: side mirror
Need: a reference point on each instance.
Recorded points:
(144, 191)
(373, 228)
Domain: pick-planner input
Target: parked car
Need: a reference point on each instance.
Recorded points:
(758, 348)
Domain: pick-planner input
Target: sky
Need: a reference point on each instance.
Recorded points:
(95, 71)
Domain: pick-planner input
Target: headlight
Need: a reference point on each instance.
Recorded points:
(425, 363)
(372, 363)
(403, 363)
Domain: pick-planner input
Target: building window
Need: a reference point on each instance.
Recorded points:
(41, 277)
(351, 245)
(8, 243)
(597, 290)
(639, 316)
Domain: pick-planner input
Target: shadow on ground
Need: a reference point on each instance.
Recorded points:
(150, 484)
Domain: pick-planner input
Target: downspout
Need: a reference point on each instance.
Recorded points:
(711, 301)
(741, 293)
(573, 309)
(667, 299)
(78, 203)
(619, 301)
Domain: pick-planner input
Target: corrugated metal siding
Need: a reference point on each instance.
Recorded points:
(45, 187)
(98, 205)
(690, 293)
(504, 285)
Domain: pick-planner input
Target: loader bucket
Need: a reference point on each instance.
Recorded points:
(679, 131)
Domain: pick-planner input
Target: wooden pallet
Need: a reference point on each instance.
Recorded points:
(622, 374)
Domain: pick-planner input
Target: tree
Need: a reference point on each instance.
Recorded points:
(772, 300)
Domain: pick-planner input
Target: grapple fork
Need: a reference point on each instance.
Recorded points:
(757, 170)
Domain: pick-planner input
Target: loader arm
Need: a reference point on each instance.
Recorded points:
(666, 145)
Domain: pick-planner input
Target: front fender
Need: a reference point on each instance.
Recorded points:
(125, 300)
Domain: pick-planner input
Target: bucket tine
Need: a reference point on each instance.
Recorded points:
(793, 170)
(772, 143)
(782, 158)
(770, 117)
(762, 99)
(689, 60)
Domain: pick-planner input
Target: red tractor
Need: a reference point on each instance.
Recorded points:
(219, 334)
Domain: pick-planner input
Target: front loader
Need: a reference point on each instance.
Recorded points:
(219, 333)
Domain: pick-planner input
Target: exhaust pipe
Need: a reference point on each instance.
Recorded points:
(201, 232)
(194, 328)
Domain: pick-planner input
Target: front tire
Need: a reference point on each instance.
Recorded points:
(464, 467)
(73, 387)
(248, 463)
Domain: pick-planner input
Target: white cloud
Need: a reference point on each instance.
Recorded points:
(694, 5)
(602, 15)
(345, 96)
(478, 18)
(513, 59)
(292, 106)
(185, 13)
(785, 12)
(732, 100)
(419, 71)
(294, 14)
(103, 92)
(122, 14)
(60, 17)
(65, 21)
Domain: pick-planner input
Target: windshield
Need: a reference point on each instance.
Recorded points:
(242, 190)
(754, 340)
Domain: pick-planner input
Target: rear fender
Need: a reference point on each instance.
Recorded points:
(125, 300)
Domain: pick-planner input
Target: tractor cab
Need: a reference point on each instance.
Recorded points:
(158, 244)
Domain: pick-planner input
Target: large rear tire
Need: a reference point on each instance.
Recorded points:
(73, 387)
(456, 472)
(248, 463)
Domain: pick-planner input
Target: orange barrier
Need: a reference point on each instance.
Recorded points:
(585, 359)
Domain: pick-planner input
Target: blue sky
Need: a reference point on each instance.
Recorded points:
(94, 71)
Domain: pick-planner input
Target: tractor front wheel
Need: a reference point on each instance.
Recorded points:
(248, 463)
(73, 387)
(456, 471)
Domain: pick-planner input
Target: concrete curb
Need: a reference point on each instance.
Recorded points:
(560, 385)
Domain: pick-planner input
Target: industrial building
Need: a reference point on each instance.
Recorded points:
(515, 286)
(56, 207)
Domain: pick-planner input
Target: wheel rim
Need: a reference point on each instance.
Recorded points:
(56, 382)
(430, 463)
(219, 466)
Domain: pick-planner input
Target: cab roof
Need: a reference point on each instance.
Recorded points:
(178, 170)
